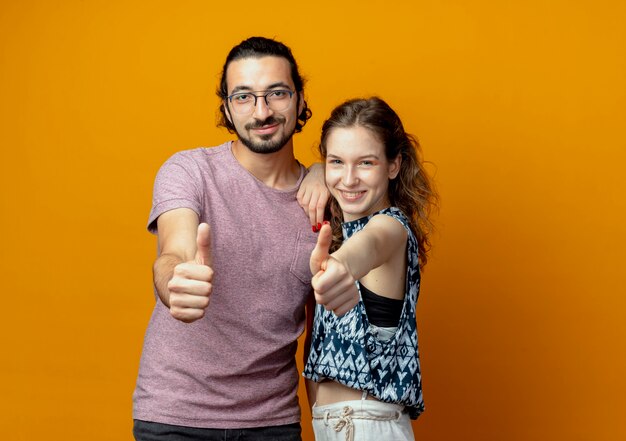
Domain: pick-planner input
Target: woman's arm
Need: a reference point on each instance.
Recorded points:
(336, 274)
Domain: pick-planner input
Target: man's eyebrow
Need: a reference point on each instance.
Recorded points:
(271, 86)
(279, 84)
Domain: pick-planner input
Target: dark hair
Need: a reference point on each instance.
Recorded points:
(257, 47)
(412, 190)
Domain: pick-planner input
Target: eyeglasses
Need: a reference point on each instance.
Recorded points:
(244, 103)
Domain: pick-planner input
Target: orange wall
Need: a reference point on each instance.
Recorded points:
(519, 105)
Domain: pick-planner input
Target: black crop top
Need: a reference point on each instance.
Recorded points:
(381, 311)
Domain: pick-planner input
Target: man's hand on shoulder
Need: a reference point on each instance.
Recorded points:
(313, 195)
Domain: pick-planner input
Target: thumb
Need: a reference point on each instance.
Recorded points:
(203, 244)
(320, 253)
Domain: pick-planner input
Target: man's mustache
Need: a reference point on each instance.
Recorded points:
(270, 120)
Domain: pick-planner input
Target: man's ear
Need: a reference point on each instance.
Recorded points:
(227, 112)
(394, 166)
(300, 102)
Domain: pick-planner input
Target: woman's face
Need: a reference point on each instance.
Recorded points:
(358, 172)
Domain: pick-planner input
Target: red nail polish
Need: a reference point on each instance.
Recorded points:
(319, 226)
(314, 228)
(326, 223)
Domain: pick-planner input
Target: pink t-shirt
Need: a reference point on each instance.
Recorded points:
(235, 367)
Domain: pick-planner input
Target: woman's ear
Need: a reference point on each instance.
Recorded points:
(394, 167)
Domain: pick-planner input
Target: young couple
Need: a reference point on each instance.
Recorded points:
(241, 240)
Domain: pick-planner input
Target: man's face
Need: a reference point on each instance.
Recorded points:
(262, 130)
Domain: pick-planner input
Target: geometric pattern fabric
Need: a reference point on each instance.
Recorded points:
(344, 350)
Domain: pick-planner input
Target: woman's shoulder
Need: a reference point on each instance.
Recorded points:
(389, 226)
(389, 215)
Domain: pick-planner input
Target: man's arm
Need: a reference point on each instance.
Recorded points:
(182, 271)
(313, 195)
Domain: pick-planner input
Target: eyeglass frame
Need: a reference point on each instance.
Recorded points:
(256, 97)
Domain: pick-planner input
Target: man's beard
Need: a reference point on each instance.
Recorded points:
(266, 144)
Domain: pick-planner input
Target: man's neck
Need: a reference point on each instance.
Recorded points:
(278, 170)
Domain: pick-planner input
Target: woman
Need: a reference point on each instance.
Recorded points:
(363, 359)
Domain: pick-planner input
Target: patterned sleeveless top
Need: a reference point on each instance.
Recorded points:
(345, 350)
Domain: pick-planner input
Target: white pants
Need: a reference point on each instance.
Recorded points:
(361, 420)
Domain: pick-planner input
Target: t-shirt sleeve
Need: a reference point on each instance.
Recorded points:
(178, 184)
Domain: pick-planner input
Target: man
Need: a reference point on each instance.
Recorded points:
(232, 274)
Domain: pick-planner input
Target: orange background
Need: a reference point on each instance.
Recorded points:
(520, 106)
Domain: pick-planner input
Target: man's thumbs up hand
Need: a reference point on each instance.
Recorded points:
(203, 244)
(191, 286)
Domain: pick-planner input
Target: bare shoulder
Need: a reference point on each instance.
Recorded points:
(388, 277)
(388, 226)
